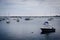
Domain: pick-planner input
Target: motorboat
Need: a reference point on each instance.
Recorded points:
(47, 29)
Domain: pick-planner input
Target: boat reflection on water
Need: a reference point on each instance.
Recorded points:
(47, 35)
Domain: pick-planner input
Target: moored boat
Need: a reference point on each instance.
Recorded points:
(48, 28)
(7, 21)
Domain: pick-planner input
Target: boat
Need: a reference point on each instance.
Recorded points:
(17, 20)
(47, 29)
(50, 19)
(57, 16)
(27, 19)
(1, 19)
(7, 21)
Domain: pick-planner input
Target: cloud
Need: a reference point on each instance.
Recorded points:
(29, 7)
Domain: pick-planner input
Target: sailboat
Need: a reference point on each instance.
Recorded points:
(47, 29)
(8, 19)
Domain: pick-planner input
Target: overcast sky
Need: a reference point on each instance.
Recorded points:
(29, 7)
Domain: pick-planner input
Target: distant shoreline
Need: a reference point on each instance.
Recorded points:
(27, 16)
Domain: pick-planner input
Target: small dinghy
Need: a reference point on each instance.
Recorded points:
(47, 29)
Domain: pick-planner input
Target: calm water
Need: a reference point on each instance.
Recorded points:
(28, 30)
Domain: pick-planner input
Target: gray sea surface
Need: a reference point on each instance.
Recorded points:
(28, 29)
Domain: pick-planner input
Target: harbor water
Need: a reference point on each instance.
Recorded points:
(21, 29)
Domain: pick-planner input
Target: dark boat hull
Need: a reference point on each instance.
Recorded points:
(47, 30)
